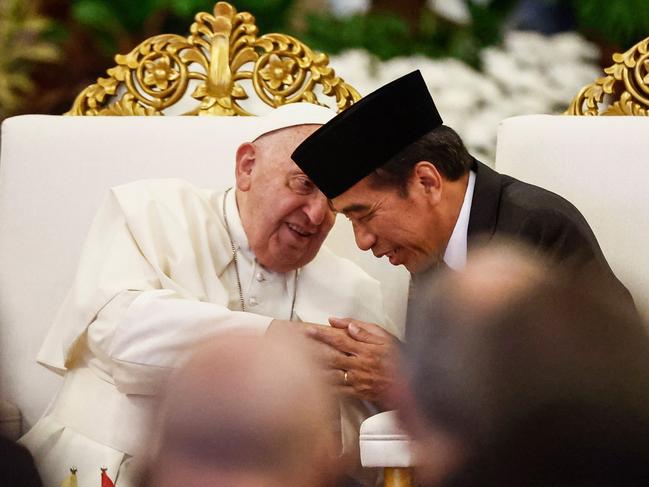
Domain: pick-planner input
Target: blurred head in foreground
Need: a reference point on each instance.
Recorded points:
(522, 375)
(244, 411)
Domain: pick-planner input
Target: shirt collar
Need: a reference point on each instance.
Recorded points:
(455, 254)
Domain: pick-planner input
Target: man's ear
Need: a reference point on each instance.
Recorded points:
(245, 157)
(426, 178)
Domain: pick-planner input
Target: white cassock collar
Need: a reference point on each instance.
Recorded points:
(455, 254)
(237, 233)
(265, 292)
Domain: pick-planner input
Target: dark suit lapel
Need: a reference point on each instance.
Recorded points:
(486, 201)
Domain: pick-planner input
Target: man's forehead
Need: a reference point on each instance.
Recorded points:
(350, 203)
(358, 198)
(351, 208)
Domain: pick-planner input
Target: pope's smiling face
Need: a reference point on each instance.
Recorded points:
(285, 217)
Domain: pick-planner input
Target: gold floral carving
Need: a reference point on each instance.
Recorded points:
(623, 91)
(220, 54)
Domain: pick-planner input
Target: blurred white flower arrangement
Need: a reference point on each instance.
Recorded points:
(530, 73)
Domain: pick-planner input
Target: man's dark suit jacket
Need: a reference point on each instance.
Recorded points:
(505, 207)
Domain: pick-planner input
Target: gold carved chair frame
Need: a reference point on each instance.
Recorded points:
(222, 62)
(624, 90)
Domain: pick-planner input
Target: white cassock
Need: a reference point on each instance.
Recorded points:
(156, 277)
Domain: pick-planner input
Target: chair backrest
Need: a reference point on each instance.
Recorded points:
(601, 165)
(597, 161)
(54, 172)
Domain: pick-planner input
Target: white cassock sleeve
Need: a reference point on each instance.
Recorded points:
(145, 334)
(148, 287)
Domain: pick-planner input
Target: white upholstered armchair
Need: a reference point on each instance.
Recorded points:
(597, 160)
(55, 170)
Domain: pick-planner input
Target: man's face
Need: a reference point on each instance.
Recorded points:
(286, 218)
(399, 227)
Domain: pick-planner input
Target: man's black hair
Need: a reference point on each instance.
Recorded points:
(442, 147)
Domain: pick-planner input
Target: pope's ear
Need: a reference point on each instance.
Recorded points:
(245, 157)
(428, 179)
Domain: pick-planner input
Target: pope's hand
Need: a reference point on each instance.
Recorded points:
(365, 360)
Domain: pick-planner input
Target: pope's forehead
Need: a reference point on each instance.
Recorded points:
(296, 132)
(274, 149)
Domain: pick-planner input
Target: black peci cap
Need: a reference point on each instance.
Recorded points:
(366, 135)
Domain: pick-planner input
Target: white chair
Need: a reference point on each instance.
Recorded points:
(384, 444)
(54, 170)
(601, 165)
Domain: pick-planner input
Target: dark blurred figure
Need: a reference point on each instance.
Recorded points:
(245, 412)
(17, 467)
(524, 376)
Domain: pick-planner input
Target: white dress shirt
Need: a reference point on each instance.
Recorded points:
(455, 254)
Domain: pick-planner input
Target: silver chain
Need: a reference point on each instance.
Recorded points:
(236, 264)
(234, 252)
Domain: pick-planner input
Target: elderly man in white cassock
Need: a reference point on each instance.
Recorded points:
(166, 266)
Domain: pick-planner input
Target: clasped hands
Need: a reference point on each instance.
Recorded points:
(359, 358)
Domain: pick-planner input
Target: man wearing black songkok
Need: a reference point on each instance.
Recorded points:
(414, 193)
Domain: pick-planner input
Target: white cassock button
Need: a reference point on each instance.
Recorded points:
(253, 301)
(260, 277)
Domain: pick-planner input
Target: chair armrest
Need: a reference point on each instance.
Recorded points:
(383, 443)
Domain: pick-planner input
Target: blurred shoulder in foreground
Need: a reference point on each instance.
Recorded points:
(522, 374)
(245, 411)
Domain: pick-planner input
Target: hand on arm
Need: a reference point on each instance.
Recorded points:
(365, 351)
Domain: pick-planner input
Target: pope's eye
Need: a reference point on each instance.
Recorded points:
(301, 185)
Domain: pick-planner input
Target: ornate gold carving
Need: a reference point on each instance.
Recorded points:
(623, 91)
(220, 54)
